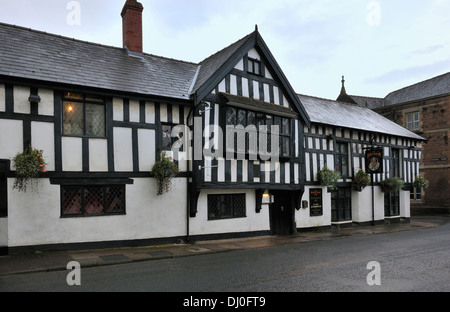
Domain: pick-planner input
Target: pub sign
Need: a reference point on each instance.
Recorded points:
(315, 198)
(374, 160)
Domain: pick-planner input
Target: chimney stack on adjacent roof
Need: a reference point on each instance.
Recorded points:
(132, 26)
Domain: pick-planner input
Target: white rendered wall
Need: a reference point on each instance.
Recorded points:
(252, 223)
(302, 216)
(34, 218)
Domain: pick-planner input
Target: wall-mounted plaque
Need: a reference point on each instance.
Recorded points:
(315, 198)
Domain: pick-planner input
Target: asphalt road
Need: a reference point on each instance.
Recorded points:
(411, 261)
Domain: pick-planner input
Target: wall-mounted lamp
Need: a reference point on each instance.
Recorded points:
(267, 198)
(204, 107)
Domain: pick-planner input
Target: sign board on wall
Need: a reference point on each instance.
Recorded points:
(315, 198)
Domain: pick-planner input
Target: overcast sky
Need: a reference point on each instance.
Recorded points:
(380, 46)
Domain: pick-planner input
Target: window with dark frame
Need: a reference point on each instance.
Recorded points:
(92, 200)
(226, 206)
(392, 199)
(84, 115)
(254, 66)
(243, 117)
(342, 159)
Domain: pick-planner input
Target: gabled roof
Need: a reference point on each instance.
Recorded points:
(31, 54)
(216, 67)
(340, 114)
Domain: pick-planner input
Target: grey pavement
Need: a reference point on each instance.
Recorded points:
(58, 260)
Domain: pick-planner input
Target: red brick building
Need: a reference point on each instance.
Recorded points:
(424, 109)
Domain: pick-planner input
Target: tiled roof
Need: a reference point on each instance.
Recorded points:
(369, 102)
(31, 54)
(436, 86)
(351, 116)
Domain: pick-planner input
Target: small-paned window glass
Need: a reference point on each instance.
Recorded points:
(78, 201)
(226, 206)
(84, 115)
(254, 66)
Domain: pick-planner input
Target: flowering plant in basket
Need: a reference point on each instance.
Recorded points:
(29, 165)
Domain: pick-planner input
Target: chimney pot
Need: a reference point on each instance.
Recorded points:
(132, 26)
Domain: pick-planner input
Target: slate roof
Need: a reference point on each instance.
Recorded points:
(31, 54)
(351, 116)
(436, 86)
(369, 102)
(211, 65)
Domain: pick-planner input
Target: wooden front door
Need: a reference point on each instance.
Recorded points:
(282, 213)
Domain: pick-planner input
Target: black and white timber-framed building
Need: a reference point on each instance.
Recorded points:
(103, 115)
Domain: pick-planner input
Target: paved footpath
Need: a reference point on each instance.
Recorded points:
(58, 260)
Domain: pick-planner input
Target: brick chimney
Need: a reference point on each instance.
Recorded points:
(132, 26)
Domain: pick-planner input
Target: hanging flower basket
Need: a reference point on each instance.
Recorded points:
(163, 170)
(361, 180)
(29, 165)
(392, 184)
(328, 177)
(420, 182)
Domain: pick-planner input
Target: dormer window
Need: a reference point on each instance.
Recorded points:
(254, 66)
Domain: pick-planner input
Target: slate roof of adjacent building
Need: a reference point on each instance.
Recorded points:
(437, 86)
(31, 54)
(352, 116)
(433, 87)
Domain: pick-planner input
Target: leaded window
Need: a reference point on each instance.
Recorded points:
(342, 158)
(83, 115)
(92, 200)
(254, 125)
(226, 206)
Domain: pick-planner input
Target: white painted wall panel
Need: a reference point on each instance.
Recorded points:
(2, 98)
(43, 138)
(46, 105)
(72, 159)
(21, 103)
(118, 109)
(146, 141)
(150, 112)
(134, 111)
(98, 155)
(11, 138)
(123, 149)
